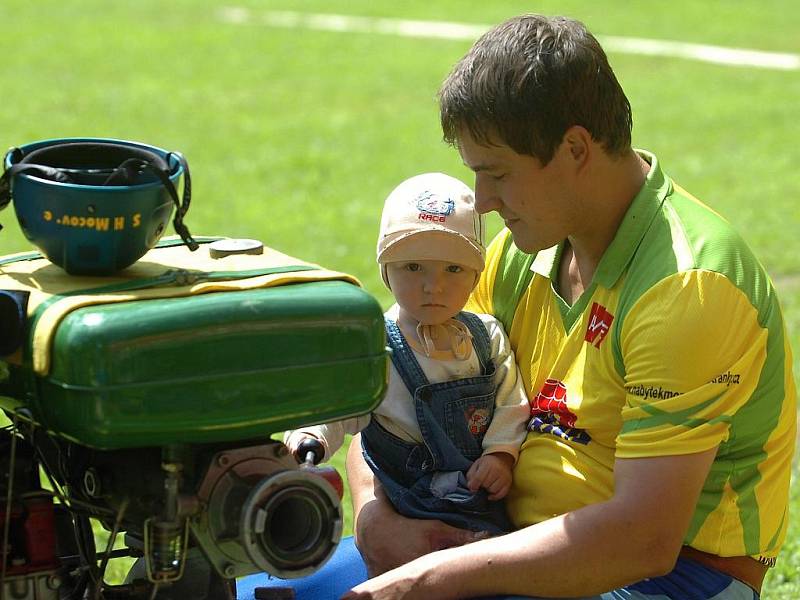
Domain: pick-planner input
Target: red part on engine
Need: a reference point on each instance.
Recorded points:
(330, 475)
(40, 531)
(32, 535)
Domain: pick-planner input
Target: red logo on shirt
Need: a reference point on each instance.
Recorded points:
(549, 413)
(599, 323)
(552, 398)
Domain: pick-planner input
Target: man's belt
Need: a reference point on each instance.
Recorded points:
(744, 568)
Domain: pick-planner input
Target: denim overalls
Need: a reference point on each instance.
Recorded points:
(427, 480)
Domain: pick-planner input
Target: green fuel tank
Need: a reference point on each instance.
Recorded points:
(240, 355)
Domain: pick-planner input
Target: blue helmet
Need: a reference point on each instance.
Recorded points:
(94, 206)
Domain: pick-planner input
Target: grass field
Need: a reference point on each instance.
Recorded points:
(295, 136)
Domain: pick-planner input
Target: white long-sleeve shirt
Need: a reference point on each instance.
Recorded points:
(396, 412)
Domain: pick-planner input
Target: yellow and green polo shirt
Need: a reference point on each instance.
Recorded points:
(677, 346)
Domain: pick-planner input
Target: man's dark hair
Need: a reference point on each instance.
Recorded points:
(526, 81)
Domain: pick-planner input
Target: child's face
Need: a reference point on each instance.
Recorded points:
(430, 291)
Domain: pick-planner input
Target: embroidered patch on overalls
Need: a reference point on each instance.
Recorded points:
(477, 420)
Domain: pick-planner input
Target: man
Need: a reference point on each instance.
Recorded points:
(649, 338)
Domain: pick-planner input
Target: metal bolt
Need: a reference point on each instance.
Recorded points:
(91, 483)
(54, 582)
(229, 571)
(171, 467)
(223, 460)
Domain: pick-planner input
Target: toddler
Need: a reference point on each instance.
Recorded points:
(444, 440)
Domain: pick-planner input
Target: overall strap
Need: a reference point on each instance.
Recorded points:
(480, 338)
(403, 358)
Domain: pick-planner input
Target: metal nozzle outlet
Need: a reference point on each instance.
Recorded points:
(291, 523)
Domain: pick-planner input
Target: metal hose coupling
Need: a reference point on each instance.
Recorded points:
(265, 513)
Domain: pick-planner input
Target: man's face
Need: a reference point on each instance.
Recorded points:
(535, 202)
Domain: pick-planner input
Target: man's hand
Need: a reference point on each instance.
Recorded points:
(493, 473)
(400, 584)
(653, 502)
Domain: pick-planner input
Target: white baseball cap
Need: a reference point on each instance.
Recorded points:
(431, 217)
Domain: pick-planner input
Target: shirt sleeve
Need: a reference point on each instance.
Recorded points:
(480, 302)
(330, 435)
(507, 430)
(693, 352)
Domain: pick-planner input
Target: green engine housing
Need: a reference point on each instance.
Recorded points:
(206, 368)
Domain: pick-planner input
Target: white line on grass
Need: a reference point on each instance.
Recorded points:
(739, 57)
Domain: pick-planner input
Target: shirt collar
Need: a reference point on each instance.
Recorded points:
(545, 261)
(635, 223)
(640, 213)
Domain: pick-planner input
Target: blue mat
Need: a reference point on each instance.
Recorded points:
(342, 572)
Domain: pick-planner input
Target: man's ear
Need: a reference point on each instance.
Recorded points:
(578, 143)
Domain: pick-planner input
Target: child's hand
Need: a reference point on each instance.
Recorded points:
(493, 473)
(300, 445)
(293, 441)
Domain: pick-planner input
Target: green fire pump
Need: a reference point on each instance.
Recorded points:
(143, 379)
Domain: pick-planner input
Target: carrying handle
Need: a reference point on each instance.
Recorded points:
(182, 208)
(49, 173)
(131, 167)
(5, 180)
